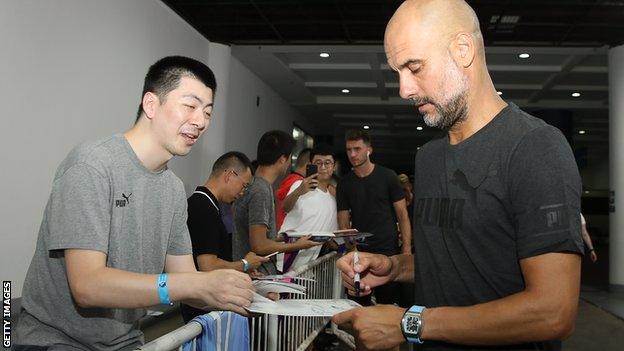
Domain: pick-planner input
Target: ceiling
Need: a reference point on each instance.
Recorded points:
(280, 41)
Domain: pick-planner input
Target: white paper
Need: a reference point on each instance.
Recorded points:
(264, 287)
(283, 278)
(301, 308)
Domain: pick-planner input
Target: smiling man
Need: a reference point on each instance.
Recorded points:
(496, 227)
(114, 239)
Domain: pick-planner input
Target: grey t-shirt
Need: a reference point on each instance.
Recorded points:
(509, 192)
(256, 206)
(102, 199)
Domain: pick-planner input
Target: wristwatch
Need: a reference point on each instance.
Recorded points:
(245, 265)
(412, 324)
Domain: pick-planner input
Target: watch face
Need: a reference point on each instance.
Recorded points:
(411, 324)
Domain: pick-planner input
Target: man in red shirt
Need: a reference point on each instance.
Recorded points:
(298, 174)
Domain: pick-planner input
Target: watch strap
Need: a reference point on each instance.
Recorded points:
(410, 337)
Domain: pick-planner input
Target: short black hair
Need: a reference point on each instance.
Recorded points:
(322, 150)
(273, 145)
(164, 76)
(358, 134)
(304, 157)
(234, 160)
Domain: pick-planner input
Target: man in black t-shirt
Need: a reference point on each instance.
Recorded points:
(496, 226)
(370, 199)
(212, 244)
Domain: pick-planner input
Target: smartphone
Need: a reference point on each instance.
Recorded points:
(311, 169)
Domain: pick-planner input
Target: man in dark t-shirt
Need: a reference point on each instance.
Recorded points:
(212, 244)
(496, 226)
(370, 199)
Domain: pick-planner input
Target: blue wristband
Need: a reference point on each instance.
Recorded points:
(163, 291)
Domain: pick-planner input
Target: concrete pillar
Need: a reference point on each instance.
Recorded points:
(616, 168)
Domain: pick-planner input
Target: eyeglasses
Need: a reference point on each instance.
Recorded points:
(326, 163)
(245, 184)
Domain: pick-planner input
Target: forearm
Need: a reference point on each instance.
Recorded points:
(587, 239)
(290, 201)
(544, 310)
(402, 268)
(344, 220)
(515, 319)
(114, 288)
(268, 246)
(406, 233)
(218, 263)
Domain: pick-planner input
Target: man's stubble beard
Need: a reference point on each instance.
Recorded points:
(454, 111)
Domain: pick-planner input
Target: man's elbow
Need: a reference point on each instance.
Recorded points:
(561, 323)
(82, 295)
(261, 250)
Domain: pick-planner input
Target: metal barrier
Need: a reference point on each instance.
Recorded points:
(279, 333)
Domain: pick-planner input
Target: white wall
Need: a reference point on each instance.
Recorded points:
(246, 121)
(72, 70)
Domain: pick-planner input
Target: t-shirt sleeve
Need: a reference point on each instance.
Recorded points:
(394, 187)
(283, 189)
(294, 187)
(180, 239)
(79, 210)
(201, 227)
(260, 207)
(545, 191)
(342, 200)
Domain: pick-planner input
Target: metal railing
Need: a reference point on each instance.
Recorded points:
(279, 333)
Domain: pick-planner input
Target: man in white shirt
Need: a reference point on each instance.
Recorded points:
(309, 205)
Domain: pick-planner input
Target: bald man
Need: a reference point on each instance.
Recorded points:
(497, 232)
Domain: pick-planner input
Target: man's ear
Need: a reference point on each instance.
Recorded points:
(149, 103)
(463, 49)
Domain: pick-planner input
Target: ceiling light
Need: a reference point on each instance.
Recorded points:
(524, 55)
(345, 91)
(366, 127)
(582, 132)
(419, 128)
(499, 92)
(576, 94)
(324, 55)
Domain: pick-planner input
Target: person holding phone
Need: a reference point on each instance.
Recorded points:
(310, 206)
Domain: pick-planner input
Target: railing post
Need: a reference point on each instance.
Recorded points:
(272, 335)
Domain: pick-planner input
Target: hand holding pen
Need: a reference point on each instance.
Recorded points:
(363, 271)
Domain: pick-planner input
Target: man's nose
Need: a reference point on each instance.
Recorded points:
(407, 86)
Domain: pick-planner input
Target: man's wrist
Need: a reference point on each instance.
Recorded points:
(393, 268)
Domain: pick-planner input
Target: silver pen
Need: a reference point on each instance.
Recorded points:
(356, 277)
